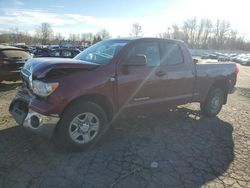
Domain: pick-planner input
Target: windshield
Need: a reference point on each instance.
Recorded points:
(102, 52)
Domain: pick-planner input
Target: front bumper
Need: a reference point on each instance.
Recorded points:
(42, 120)
(45, 125)
(29, 118)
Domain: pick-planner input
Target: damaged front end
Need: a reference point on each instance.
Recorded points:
(31, 106)
(25, 116)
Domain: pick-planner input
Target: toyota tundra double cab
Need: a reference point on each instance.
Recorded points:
(81, 96)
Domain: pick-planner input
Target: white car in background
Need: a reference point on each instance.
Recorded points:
(245, 60)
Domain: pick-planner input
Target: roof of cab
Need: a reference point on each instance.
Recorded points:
(145, 38)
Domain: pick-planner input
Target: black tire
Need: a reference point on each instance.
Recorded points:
(209, 108)
(63, 135)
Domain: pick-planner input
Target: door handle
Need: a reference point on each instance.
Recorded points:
(160, 73)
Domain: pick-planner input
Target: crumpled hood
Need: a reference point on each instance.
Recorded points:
(40, 67)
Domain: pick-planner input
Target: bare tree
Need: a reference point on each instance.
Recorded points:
(15, 35)
(200, 30)
(87, 38)
(208, 27)
(189, 30)
(163, 35)
(198, 34)
(4, 37)
(177, 33)
(96, 39)
(75, 38)
(136, 30)
(222, 29)
(58, 38)
(25, 37)
(44, 33)
(104, 34)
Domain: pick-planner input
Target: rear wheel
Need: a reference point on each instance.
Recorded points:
(81, 126)
(213, 104)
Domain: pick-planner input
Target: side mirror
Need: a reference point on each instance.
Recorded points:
(138, 60)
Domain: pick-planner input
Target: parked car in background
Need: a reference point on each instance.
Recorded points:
(12, 60)
(64, 52)
(53, 47)
(23, 46)
(227, 57)
(210, 56)
(224, 57)
(41, 52)
(232, 56)
(245, 60)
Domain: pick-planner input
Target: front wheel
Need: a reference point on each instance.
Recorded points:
(81, 126)
(213, 104)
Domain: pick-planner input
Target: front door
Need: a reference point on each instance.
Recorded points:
(140, 84)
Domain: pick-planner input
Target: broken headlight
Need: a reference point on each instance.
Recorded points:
(43, 89)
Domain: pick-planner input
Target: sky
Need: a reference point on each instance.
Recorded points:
(117, 16)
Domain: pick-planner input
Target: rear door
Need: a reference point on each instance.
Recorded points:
(180, 74)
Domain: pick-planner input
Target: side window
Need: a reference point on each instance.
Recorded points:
(75, 53)
(66, 53)
(149, 49)
(55, 53)
(172, 54)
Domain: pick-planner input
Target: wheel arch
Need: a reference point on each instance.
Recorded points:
(222, 84)
(98, 99)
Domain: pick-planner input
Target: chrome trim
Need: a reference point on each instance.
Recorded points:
(30, 81)
(145, 100)
(43, 120)
(112, 79)
(23, 72)
(141, 99)
(28, 77)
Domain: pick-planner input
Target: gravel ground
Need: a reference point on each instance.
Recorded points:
(167, 148)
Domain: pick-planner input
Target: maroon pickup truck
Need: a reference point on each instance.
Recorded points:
(81, 96)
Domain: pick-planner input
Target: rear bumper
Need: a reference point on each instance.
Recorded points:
(10, 75)
(232, 90)
(232, 83)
